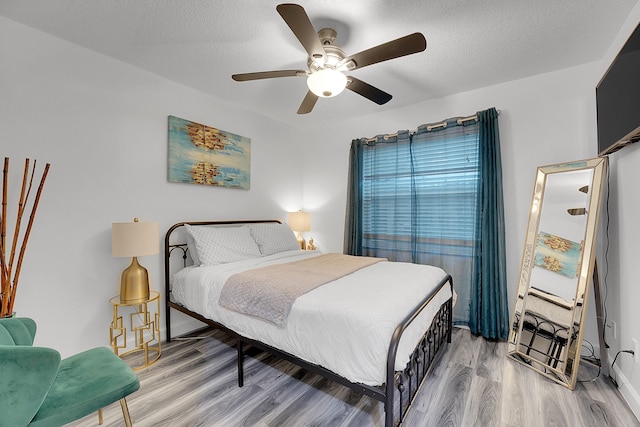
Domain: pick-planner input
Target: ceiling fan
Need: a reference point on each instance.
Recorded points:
(327, 63)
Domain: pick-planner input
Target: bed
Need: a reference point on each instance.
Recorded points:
(355, 329)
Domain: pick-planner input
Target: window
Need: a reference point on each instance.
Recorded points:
(435, 197)
(425, 187)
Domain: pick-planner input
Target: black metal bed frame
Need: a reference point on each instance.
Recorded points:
(406, 383)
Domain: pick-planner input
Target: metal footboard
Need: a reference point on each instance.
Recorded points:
(403, 386)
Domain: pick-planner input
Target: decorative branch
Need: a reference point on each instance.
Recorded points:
(27, 234)
(4, 273)
(21, 206)
(10, 275)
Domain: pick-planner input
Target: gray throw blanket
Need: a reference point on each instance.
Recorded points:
(269, 292)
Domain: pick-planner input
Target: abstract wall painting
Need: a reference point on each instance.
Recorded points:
(558, 254)
(200, 154)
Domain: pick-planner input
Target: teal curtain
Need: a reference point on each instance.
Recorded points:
(489, 312)
(353, 218)
(421, 197)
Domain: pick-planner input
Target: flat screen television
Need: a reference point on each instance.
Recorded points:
(618, 99)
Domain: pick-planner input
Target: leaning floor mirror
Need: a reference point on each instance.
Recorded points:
(557, 269)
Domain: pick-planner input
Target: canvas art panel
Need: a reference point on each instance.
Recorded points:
(201, 154)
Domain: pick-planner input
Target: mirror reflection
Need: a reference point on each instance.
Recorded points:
(556, 269)
(561, 233)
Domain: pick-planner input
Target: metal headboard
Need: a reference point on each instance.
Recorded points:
(175, 241)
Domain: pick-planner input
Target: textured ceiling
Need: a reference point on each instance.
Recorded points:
(200, 43)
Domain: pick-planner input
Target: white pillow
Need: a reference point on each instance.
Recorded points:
(273, 238)
(219, 245)
(191, 245)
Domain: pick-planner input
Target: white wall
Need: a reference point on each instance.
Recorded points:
(102, 125)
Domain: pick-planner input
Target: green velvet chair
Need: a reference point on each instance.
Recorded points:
(40, 390)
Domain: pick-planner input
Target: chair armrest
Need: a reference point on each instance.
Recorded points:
(17, 330)
(26, 374)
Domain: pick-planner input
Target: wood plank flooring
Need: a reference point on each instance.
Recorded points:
(472, 384)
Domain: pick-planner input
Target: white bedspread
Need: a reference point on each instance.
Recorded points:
(345, 325)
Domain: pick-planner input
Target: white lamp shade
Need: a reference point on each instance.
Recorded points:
(327, 82)
(300, 221)
(133, 239)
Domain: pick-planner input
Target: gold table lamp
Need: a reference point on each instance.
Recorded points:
(134, 239)
(300, 222)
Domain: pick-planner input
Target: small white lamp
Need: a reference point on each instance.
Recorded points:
(134, 239)
(300, 222)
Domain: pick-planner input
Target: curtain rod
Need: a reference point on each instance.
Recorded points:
(460, 121)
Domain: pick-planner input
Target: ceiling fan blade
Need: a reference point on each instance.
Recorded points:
(370, 92)
(299, 22)
(407, 45)
(308, 103)
(267, 75)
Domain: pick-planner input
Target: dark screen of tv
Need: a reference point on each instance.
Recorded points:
(618, 99)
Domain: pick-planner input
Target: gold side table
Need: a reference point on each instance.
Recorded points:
(144, 324)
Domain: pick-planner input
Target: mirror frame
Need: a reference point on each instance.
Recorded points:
(564, 370)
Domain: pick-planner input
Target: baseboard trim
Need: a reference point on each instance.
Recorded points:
(629, 394)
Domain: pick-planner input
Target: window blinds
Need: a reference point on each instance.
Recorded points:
(425, 186)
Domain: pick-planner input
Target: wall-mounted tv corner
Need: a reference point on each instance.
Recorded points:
(618, 99)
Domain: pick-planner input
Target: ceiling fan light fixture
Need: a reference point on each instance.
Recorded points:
(327, 82)
(327, 63)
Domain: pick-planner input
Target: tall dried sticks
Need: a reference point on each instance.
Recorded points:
(10, 266)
